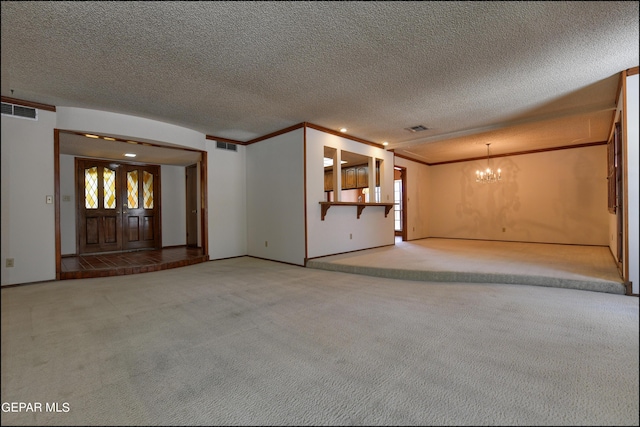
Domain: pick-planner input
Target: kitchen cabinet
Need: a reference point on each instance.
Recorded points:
(352, 177)
(350, 180)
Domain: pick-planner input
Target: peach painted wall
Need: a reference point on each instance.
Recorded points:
(551, 197)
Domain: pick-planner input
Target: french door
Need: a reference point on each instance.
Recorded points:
(118, 206)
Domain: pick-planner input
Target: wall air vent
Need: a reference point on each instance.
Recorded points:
(418, 128)
(19, 111)
(226, 146)
(7, 109)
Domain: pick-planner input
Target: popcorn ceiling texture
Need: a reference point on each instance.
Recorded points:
(241, 70)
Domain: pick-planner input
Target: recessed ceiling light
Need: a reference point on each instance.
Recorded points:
(385, 143)
(343, 130)
(108, 138)
(88, 135)
(132, 142)
(129, 155)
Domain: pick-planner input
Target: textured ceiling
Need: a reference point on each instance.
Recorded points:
(522, 75)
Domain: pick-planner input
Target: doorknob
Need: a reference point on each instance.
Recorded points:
(194, 211)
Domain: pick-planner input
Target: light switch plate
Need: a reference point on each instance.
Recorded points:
(49, 200)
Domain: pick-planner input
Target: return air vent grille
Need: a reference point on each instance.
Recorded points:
(418, 128)
(226, 146)
(7, 109)
(19, 111)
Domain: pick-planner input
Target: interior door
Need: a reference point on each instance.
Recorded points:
(140, 195)
(118, 206)
(99, 218)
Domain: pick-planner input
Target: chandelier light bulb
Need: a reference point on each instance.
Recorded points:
(488, 176)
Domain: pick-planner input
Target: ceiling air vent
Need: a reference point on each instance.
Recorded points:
(19, 111)
(418, 128)
(226, 146)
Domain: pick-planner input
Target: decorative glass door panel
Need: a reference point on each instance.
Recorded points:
(91, 187)
(116, 210)
(141, 223)
(99, 217)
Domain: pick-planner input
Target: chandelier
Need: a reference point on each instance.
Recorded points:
(488, 175)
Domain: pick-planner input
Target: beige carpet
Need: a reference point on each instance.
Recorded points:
(589, 268)
(251, 342)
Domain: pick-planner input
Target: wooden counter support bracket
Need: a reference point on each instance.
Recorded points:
(324, 207)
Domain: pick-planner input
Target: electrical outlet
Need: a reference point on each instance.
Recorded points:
(49, 200)
(9, 262)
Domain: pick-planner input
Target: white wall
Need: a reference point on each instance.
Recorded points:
(115, 124)
(28, 222)
(633, 190)
(551, 197)
(341, 231)
(227, 202)
(174, 205)
(417, 190)
(275, 198)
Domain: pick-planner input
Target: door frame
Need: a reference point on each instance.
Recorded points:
(191, 187)
(82, 216)
(204, 239)
(620, 196)
(403, 219)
